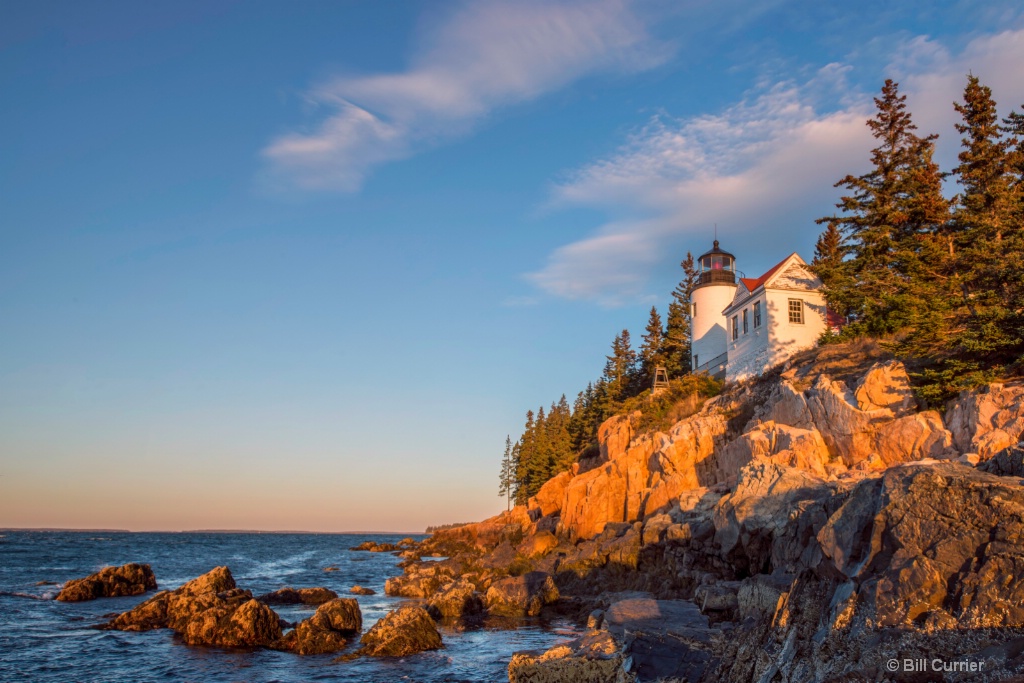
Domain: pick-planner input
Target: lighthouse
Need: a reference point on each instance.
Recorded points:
(714, 291)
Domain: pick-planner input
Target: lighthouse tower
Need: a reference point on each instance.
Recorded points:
(714, 291)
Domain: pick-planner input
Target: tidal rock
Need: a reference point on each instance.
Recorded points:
(456, 599)
(521, 595)
(593, 658)
(663, 639)
(423, 579)
(404, 631)
(176, 606)
(110, 582)
(359, 590)
(375, 547)
(251, 624)
(301, 596)
(328, 630)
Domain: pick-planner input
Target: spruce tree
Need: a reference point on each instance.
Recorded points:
(986, 248)
(620, 368)
(506, 479)
(677, 343)
(651, 352)
(830, 252)
(526, 456)
(888, 226)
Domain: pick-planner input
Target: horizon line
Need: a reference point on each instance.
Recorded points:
(210, 531)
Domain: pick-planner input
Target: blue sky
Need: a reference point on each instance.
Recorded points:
(304, 265)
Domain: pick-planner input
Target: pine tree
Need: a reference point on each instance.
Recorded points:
(652, 354)
(887, 229)
(526, 455)
(677, 343)
(561, 438)
(985, 248)
(506, 479)
(830, 252)
(620, 368)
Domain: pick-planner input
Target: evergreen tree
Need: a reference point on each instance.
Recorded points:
(526, 455)
(677, 342)
(651, 353)
(985, 249)
(830, 252)
(620, 368)
(887, 229)
(560, 437)
(507, 479)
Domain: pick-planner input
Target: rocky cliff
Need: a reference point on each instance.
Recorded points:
(823, 527)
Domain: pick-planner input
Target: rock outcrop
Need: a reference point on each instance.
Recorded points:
(110, 582)
(208, 610)
(811, 528)
(360, 590)
(456, 600)
(402, 632)
(521, 595)
(300, 596)
(228, 624)
(987, 420)
(329, 630)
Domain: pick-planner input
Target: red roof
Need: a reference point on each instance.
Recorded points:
(753, 283)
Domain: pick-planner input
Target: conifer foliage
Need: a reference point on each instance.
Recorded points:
(941, 280)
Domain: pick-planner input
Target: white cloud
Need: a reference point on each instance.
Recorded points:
(487, 55)
(754, 167)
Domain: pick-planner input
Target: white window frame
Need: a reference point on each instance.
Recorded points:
(757, 314)
(798, 310)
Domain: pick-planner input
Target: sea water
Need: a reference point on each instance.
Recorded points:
(42, 640)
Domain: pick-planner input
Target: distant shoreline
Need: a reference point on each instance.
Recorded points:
(213, 531)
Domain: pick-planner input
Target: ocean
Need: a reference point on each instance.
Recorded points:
(42, 640)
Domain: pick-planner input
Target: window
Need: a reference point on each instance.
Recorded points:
(757, 314)
(695, 361)
(796, 311)
(744, 321)
(735, 327)
(694, 309)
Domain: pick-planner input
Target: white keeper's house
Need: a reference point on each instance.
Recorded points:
(743, 326)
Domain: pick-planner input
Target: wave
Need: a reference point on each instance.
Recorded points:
(16, 594)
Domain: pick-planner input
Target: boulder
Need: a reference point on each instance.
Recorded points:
(301, 596)
(375, 547)
(172, 609)
(523, 595)
(360, 590)
(251, 624)
(455, 600)
(110, 582)
(886, 386)
(987, 420)
(401, 632)
(326, 631)
(593, 658)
